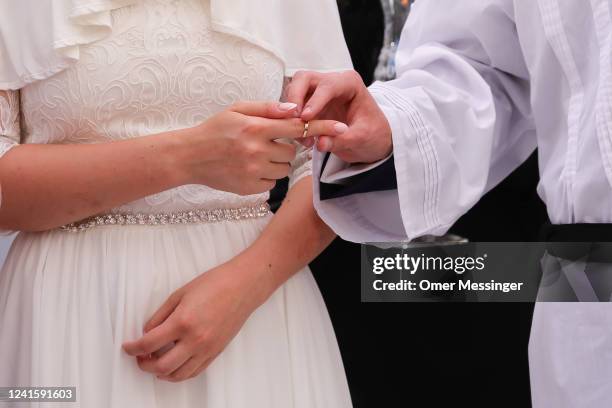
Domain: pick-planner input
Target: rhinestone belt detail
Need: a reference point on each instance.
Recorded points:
(182, 217)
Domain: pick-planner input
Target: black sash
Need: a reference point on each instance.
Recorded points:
(575, 241)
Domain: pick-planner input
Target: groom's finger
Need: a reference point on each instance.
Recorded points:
(302, 83)
(325, 144)
(341, 87)
(334, 144)
(270, 110)
(325, 93)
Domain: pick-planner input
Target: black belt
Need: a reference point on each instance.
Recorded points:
(577, 233)
(575, 241)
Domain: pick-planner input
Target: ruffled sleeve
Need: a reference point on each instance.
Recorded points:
(41, 38)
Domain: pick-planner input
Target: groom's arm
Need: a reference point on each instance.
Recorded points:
(460, 120)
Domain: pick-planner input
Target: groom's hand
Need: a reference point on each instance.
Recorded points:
(344, 97)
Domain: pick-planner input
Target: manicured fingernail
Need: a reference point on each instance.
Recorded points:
(287, 106)
(307, 110)
(340, 127)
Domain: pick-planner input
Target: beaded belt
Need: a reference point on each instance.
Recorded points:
(183, 217)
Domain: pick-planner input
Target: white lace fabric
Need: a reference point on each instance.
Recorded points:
(161, 69)
(10, 132)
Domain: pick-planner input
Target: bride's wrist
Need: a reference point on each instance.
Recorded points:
(184, 152)
(161, 156)
(255, 276)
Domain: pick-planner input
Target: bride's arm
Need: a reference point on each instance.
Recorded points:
(204, 315)
(45, 186)
(294, 237)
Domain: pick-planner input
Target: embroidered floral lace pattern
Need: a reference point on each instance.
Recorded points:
(9, 120)
(162, 68)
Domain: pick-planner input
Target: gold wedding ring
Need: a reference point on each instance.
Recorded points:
(306, 126)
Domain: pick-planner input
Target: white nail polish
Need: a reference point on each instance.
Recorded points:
(287, 106)
(340, 127)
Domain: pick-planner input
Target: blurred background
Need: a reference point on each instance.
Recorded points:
(429, 354)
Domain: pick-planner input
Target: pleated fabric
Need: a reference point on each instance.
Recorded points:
(69, 300)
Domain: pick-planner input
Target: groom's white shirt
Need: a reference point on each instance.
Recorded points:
(480, 84)
(476, 79)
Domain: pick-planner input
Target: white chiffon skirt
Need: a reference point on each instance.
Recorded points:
(69, 300)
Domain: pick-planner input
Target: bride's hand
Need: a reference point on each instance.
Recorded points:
(201, 318)
(236, 150)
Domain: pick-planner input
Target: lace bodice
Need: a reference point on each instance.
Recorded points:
(162, 68)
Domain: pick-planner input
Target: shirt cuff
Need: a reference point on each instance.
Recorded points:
(337, 171)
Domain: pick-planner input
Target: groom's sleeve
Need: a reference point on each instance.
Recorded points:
(461, 121)
(380, 177)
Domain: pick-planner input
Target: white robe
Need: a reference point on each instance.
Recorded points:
(480, 84)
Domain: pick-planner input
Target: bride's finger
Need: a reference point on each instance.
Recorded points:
(270, 110)
(167, 363)
(163, 312)
(296, 128)
(281, 152)
(185, 371)
(153, 340)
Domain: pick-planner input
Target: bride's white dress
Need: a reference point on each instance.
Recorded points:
(69, 299)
